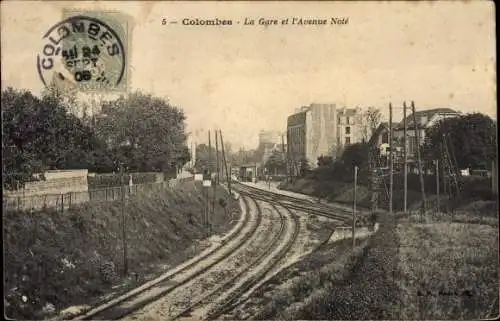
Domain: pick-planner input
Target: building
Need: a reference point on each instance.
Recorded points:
(425, 119)
(379, 141)
(269, 142)
(380, 137)
(352, 127)
(311, 133)
(323, 130)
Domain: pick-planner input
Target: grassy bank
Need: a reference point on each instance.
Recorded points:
(331, 281)
(442, 269)
(473, 190)
(55, 260)
(448, 270)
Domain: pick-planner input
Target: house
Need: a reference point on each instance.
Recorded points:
(380, 137)
(425, 119)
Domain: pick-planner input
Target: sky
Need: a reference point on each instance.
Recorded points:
(242, 79)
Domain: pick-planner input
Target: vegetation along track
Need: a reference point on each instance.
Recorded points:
(330, 211)
(151, 291)
(229, 292)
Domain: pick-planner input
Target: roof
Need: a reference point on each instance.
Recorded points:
(383, 126)
(429, 113)
(347, 112)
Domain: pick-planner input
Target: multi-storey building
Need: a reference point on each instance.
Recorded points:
(323, 130)
(311, 133)
(352, 127)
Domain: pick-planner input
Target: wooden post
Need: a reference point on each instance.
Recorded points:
(421, 175)
(62, 203)
(354, 207)
(228, 174)
(210, 165)
(405, 160)
(217, 180)
(437, 186)
(391, 162)
(124, 235)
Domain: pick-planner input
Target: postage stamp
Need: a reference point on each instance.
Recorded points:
(85, 51)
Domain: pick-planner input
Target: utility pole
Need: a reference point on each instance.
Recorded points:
(421, 175)
(354, 207)
(217, 159)
(210, 165)
(437, 185)
(224, 162)
(124, 236)
(391, 162)
(228, 174)
(405, 159)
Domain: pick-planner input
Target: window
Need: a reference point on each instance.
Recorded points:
(347, 130)
(347, 140)
(348, 122)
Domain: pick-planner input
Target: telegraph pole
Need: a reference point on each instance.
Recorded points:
(217, 159)
(210, 165)
(124, 236)
(354, 207)
(437, 185)
(391, 162)
(228, 176)
(421, 175)
(405, 160)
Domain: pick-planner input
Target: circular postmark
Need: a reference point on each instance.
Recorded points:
(82, 52)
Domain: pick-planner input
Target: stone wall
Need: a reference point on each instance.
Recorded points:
(56, 182)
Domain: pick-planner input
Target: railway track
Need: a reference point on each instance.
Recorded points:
(331, 211)
(235, 298)
(123, 305)
(230, 290)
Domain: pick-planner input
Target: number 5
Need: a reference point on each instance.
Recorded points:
(164, 21)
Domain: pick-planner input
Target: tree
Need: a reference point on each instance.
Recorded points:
(304, 167)
(39, 134)
(275, 164)
(355, 155)
(325, 161)
(373, 118)
(471, 140)
(202, 158)
(145, 132)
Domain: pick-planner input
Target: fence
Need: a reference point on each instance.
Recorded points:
(65, 200)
